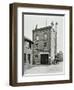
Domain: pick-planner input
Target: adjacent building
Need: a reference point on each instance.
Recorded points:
(28, 47)
(27, 61)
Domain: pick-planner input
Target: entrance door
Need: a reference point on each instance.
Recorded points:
(44, 58)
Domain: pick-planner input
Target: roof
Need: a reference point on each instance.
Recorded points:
(43, 28)
(27, 39)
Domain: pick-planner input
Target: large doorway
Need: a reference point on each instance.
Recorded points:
(44, 58)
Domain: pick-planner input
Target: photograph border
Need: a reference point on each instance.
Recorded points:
(13, 44)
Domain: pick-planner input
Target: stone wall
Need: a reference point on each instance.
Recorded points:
(42, 43)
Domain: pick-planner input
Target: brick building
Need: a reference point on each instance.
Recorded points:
(28, 47)
(45, 44)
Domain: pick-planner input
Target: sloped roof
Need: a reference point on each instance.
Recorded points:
(27, 39)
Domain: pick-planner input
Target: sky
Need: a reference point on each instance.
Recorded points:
(30, 21)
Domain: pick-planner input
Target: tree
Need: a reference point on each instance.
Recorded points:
(59, 56)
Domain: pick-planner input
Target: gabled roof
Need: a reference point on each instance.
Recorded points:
(27, 39)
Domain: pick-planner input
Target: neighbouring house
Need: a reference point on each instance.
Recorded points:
(45, 44)
(27, 60)
(28, 46)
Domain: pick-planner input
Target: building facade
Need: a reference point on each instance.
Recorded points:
(28, 47)
(44, 47)
(27, 60)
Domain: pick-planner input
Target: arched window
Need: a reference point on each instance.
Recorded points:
(37, 37)
(45, 36)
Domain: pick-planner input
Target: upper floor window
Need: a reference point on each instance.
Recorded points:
(30, 45)
(24, 57)
(36, 56)
(29, 58)
(45, 36)
(37, 37)
(27, 44)
(45, 44)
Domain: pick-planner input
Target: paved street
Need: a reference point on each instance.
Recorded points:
(37, 69)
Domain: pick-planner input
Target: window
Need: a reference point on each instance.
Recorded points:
(27, 44)
(36, 45)
(36, 56)
(30, 45)
(45, 44)
(37, 37)
(29, 58)
(24, 57)
(45, 36)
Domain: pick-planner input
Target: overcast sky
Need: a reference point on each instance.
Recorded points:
(30, 22)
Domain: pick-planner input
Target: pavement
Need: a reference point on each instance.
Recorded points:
(43, 69)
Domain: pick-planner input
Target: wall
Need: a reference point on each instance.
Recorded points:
(39, 47)
(4, 47)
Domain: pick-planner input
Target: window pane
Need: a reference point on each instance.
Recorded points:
(45, 36)
(37, 37)
(45, 44)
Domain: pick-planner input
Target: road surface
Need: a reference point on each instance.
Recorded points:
(44, 69)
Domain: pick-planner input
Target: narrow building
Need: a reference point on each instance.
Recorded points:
(27, 60)
(45, 44)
